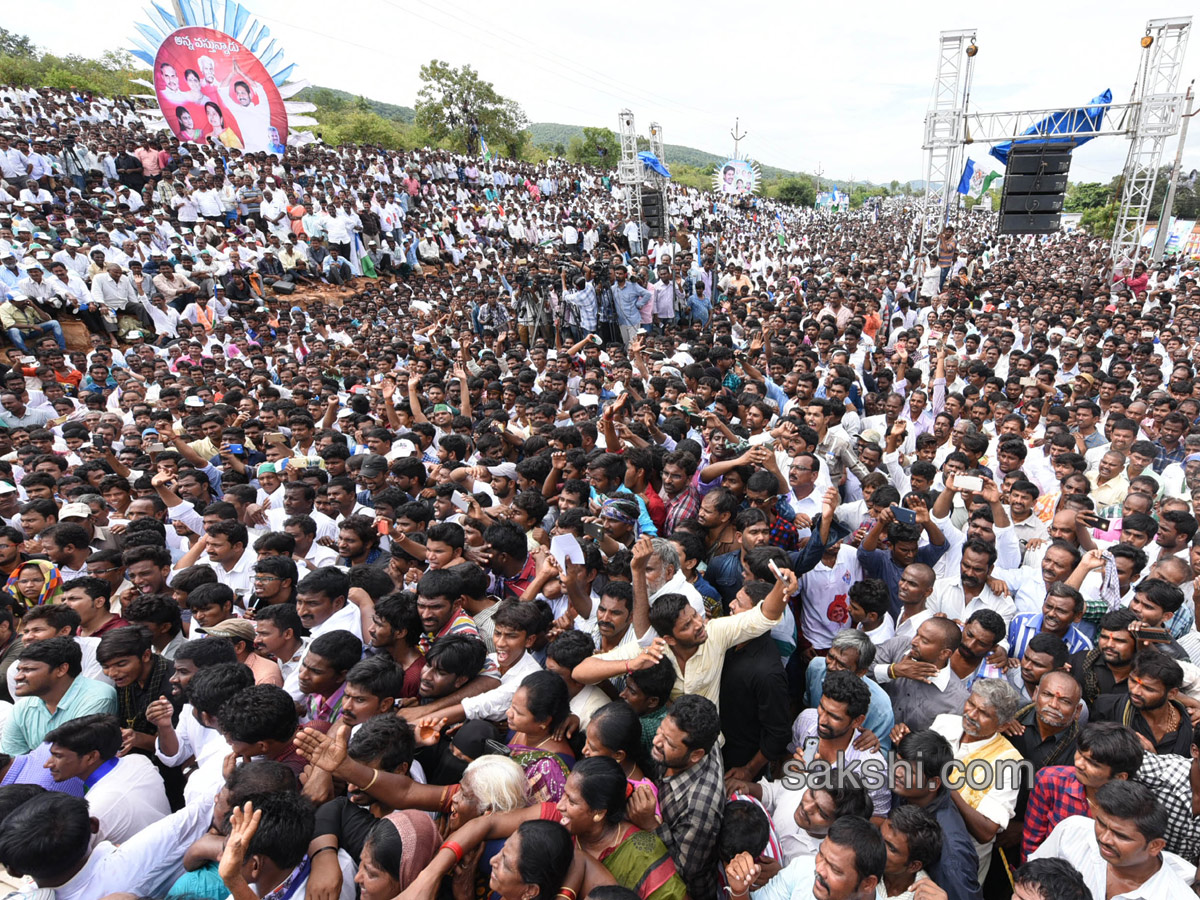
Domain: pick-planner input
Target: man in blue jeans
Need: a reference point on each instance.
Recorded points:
(21, 319)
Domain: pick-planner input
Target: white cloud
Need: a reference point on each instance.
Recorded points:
(839, 84)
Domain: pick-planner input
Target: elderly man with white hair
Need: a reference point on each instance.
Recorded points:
(985, 754)
(656, 571)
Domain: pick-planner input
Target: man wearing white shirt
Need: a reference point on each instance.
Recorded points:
(657, 571)
(70, 257)
(321, 601)
(298, 500)
(112, 289)
(826, 588)
(231, 558)
(125, 793)
(207, 202)
(41, 838)
(207, 673)
(69, 287)
(960, 597)
(514, 630)
(851, 842)
(308, 552)
(1120, 852)
(57, 620)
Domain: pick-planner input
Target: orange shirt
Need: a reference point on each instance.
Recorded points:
(266, 671)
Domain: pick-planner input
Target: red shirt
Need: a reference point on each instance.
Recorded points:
(656, 509)
(412, 678)
(114, 622)
(291, 757)
(1056, 795)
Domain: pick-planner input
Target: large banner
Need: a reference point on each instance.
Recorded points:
(834, 199)
(1191, 247)
(1177, 237)
(736, 176)
(213, 90)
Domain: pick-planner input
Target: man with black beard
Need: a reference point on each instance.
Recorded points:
(1104, 669)
(1160, 721)
(984, 630)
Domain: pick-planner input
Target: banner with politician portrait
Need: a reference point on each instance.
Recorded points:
(736, 176)
(212, 90)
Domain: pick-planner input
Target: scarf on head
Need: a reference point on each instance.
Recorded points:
(51, 583)
(622, 509)
(418, 837)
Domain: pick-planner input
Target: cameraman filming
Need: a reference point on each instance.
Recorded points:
(579, 305)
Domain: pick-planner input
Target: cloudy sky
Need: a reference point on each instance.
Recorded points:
(842, 86)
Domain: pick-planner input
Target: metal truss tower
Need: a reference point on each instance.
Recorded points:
(659, 182)
(656, 147)
(1156, 116)
(944, 129)
(629, 169)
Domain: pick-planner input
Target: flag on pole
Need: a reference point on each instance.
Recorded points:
(483, 148)
(975, 180)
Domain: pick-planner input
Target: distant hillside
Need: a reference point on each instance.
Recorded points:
(329, 97)
(547, 134)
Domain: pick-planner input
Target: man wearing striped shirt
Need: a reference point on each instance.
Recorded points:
(1062, 608)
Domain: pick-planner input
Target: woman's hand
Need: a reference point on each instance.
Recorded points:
(323, 751)
(325, 878)
(462, 877)
(429, 731)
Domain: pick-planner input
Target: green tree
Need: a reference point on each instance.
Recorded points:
(327, 100)
(16, 45)
(797, 191)
(861, 192)
(691, 176)
(1087, 195)
(451, 99)
(366, 128)
(519, 146)
(585, 149)
(1100, 221)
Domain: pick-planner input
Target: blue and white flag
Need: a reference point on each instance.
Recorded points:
(975, 180)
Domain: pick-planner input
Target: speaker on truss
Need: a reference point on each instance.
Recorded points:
(652, 213)
(1035, 186)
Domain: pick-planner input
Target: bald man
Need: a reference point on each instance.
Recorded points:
(917, 674)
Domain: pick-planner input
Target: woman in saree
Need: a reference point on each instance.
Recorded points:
(616, 732)
(592, 809)
(538, 707)
(399, 847)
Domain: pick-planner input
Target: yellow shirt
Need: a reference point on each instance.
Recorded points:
(12, 316)
(1111, 493)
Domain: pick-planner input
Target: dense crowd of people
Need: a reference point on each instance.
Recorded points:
(428, 511)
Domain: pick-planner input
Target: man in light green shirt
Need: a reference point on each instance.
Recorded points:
(696, 647)
(50, 691)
